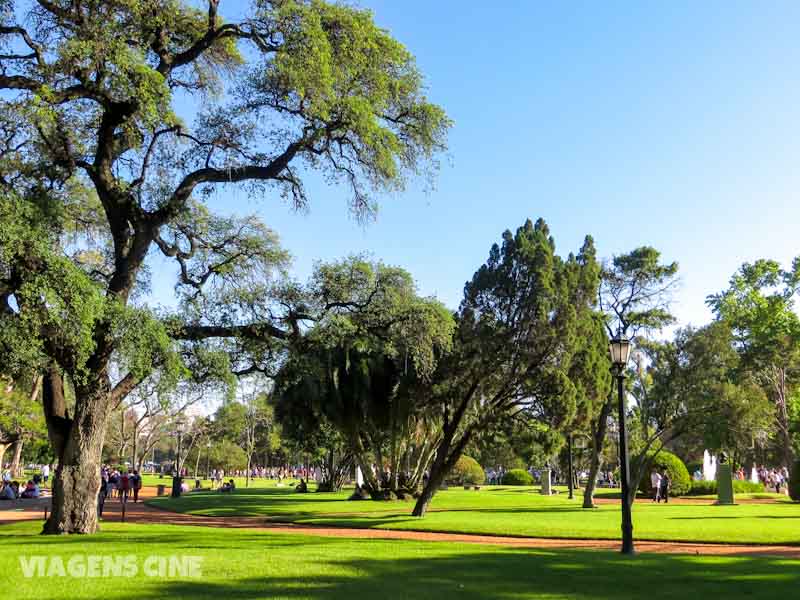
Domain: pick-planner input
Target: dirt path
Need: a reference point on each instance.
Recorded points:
(141, 513)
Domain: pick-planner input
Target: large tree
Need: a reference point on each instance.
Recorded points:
(634, 295)
(517, 334)
(120, 119)
(365, 368)
(759, 306)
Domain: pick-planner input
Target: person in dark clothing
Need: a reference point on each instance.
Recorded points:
(664, 495)
(101, 496)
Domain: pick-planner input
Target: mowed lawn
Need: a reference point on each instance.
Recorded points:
(246, 564)
(508, 511)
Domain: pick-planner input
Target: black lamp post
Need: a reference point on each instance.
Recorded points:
(177, 480)
(620, 349)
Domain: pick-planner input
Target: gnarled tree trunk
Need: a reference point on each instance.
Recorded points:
(598, 441)
(16, 470)
(77, 442)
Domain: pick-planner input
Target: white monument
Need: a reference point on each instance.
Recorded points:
(709, 466)
(359, 477)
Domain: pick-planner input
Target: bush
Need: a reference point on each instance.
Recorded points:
(680, 482)
(709, 488)
(466, 471)
(794, 482)
(517, 477)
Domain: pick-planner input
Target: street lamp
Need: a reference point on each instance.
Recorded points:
(620, 349)
(180, 429)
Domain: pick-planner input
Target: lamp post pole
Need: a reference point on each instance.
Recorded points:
(176, 478)
(624, 469)
(620, 348)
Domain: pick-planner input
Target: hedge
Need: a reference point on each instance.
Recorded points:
(794, 482)
(709, 488)
(466, 471)
(680, 482)
(517, 477)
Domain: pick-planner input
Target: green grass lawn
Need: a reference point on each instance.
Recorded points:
(508, 511)
(244, 564)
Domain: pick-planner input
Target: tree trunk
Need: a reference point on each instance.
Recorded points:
(598, 441)
(247, 475)
(16, 469)
(3, 447)
(77, 443)
(447, 456)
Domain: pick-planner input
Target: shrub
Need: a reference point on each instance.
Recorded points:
(517, 477)
(680, 482)
(794, 482)
(709, 488)
(466, 471)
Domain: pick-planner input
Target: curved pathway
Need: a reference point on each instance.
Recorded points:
(142, 513)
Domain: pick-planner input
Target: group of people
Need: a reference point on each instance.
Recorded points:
(660, 483)
(14, 490)
(777, 479)
(120, 483)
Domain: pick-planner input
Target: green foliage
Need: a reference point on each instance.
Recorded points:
(709, 488)
(227, 455)
(635, 290)
(680, 482)
(517, 477)
(466, 471)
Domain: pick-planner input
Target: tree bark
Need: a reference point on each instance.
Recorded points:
(598, 442)
(16, 471)
(77, 443)
(447, 456)
(3, 447)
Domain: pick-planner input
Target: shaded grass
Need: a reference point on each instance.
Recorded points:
(508, 511)
(244, 564)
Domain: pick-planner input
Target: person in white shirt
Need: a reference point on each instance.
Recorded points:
(45, 473)
(655, 483)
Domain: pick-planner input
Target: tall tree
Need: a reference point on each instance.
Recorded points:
(363, 369)
(759, 305)
(515, 340)
(635, 291)
(92, 124)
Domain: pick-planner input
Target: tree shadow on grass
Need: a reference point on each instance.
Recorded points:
(511, 574)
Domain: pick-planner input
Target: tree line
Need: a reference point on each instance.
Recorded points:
(123, 124)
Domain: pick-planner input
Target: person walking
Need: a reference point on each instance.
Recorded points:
(664, 487)
(124, 487)
(136, 485)
(655, 483)
(45, 473)
(101, 495)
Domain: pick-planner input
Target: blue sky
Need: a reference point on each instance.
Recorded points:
(667, 124)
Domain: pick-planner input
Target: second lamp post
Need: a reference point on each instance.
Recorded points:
(620, 348)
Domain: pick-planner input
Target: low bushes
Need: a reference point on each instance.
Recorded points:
(794, 482)
(709, 488)
(466, 471)
(680, 482)
(517, 477)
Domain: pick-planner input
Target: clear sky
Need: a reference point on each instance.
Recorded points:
(671, 124)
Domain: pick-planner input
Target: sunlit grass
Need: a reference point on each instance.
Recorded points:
(508, 511)
(250, 564)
